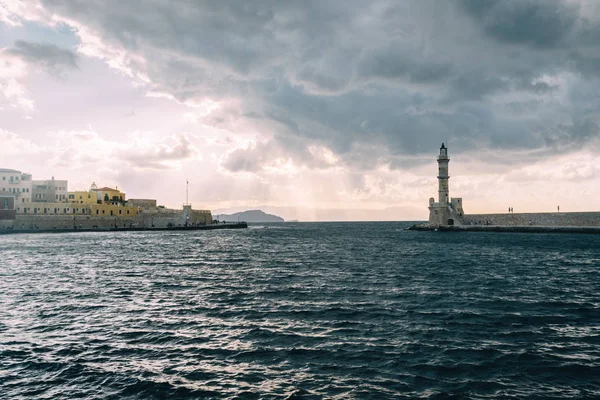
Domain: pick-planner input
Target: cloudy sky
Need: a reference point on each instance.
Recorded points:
(311, 109)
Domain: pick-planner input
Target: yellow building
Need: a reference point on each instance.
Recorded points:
(108, 195)
(81, 197)
(102, 202)
(116, 210)
(38, 208)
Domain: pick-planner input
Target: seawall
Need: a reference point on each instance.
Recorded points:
(237, 225)
(162, 219)
(578, 219)
(497, 228)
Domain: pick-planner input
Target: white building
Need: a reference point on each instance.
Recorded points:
(16, 183)
(49, 191)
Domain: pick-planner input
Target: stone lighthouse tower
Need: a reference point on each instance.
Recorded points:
(445, 211)
(443, 160)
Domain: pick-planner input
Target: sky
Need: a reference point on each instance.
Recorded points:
(312, 110)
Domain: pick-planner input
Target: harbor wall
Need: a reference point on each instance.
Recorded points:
(534, 219)
(163, 219)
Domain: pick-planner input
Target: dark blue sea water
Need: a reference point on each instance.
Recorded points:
(300, 311)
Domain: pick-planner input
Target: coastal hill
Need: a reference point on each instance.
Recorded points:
(250, 216)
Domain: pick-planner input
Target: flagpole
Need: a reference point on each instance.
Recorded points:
(186, 192)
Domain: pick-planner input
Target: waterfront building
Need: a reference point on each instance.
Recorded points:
(49, 191)
(95, 195)
(101, 210)
(7, 207)
(103, 202)
(16, 183)
(82, 197)
(107, 195)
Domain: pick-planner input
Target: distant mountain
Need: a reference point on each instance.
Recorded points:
(306, 214)
(249, 216)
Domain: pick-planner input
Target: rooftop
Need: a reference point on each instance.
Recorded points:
(104, 189)
(9, 170)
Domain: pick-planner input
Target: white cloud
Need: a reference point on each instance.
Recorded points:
(15, 146)
(13, 71)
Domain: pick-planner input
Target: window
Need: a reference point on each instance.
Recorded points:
(97, 211)
(119, 212)
(102, 211)
(127, 211)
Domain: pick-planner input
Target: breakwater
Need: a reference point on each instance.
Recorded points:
(557, 219)
(507, 228)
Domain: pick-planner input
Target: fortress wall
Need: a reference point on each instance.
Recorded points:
(201, 217)
(535, 219)
(6, 224)
(164, 219)
(69, 221)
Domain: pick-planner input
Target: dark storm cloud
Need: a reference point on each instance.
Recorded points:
(535, 22)
(376, 82)
(52, 58)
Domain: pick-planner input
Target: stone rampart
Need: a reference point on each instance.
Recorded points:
(535, 219)
(163, 219)
(23, 221)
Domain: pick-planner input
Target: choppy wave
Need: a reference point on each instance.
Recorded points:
(354, 310)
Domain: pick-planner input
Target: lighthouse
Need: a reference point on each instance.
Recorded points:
(443, 177)
(445, 211)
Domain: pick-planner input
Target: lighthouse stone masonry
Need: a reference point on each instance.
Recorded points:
(446, 211)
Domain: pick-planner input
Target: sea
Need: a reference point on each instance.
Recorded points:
(300, 311)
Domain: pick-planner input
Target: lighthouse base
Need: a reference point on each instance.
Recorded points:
(446, 214)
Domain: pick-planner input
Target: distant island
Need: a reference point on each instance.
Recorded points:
(250, 216)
